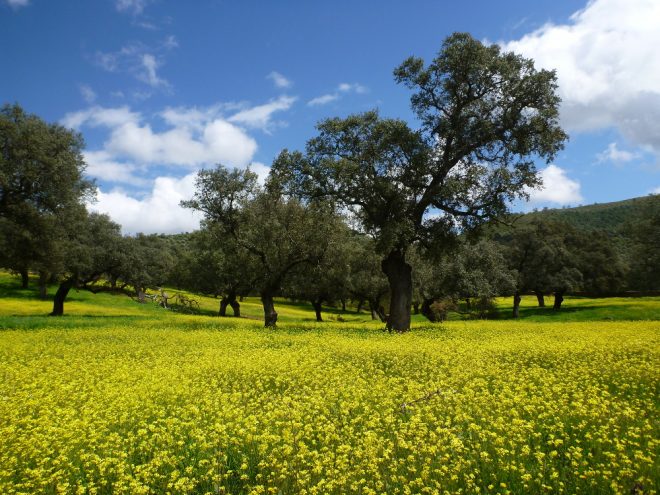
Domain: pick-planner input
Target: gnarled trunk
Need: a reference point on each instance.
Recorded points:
(223, 306)
(270, 315)
(60, 296)
(25, 278)
(359, 305)
(235, 307)
(540, 298)
(399, 276)
(43, 288)
(229, 300)
(317, 309)
(559, 298)
(516, 304)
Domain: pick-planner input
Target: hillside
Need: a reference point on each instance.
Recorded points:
(610, 217)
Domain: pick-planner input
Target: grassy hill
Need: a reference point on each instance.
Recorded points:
(611, 217)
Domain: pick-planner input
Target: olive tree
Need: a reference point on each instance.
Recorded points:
(487, 117)
(278, 232)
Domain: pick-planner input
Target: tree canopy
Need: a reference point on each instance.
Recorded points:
(486, 117)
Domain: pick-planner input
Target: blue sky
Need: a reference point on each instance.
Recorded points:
(162, 88)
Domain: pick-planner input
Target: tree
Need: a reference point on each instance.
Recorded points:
(279, 232)
(89, 249)
(544, 257)
(214, 263)
(367, 281)
(328, 280)
(471, 271)
(486, 117)
(41, 178)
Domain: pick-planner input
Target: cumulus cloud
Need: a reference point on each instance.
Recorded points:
(557, 188)
(607, 67)
(279, 80)
(17, 4)
(342, 89)
(102, 165)
(157, 212)
(211, 140)
(613, 154)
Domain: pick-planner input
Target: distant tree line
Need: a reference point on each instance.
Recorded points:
(373, 212)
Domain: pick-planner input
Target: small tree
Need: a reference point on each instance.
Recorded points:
(486, 117)
(89, 251)
(279, 233)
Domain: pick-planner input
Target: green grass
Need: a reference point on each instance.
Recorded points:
(21, 308)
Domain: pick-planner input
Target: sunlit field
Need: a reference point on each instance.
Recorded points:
(117, 397)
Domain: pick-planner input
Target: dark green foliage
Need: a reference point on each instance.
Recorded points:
(278, 233)
(486, 117)
(645, 249)
(41, 181)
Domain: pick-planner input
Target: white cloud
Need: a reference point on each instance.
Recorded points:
(134, 7)
(17, 4)
(87, 93)
(149, 74)
(101, 165)
(557, 188)
(157, 212)
(607, 67)
(655, 191)
(99, 116)
(261, 170)
(353, 87)
(615, 155)
(260, 116)
(279, 80)
(323, 99)
(343, 88)
(201, 139)
(139, 60)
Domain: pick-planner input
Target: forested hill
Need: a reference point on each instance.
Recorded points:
(610, 217)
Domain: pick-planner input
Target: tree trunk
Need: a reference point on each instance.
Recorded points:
(223, 306)
(426, 310)
(559, 298)
(343, 305)
(468, 304)
(43, 288)
(377, 311)
(270, 315)
(359, 305)
(540, 298)
(516, 304)
(317, 309)
(25, 278)
(399, 276)
(60, 296)
(416, 308)
(235, 307)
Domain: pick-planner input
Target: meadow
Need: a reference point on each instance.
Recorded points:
(117, 397)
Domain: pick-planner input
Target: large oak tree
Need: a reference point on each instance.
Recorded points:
(486, 118)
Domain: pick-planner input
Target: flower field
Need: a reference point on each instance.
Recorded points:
(190, 404)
